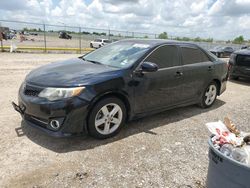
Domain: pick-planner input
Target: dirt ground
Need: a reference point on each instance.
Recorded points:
(165, 150)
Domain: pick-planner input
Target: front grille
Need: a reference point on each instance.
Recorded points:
(31, 90)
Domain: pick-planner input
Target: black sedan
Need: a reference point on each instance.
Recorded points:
(64, 35)
(98, 92)
(239, 64)
(221, 51)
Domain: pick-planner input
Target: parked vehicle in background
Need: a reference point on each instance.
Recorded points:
(98, 43)
(10, 35)
(34, 34)
(239, 64)
(26, 33)
(98, 92)
(221, 51)
(64, 35)
(244, 47)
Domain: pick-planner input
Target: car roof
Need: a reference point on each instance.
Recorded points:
(157, 42)
(243, 52)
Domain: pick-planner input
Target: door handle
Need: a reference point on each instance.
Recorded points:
(210, 68)
(178, 74)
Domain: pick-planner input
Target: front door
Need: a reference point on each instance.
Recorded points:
(156, 90)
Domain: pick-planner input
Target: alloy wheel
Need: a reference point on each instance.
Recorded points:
(108, 118)
(210, 94)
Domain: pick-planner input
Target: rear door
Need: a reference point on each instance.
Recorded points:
(156, 90)
(197, 72)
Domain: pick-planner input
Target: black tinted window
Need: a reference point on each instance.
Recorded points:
(192, 55)
(165, 56)
(243, 60)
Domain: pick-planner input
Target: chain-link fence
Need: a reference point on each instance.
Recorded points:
(27, 36)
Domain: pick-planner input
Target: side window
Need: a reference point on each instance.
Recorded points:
(165, 56)
(191, 55)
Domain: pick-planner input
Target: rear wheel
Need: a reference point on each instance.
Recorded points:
(209, 95)
(91, 45)
(107, 118)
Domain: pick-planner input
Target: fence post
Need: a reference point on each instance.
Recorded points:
(1, 44)
(109, 34)
(1, 39)
(80, 40)
(44, 35)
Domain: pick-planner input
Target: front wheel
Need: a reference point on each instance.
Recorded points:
(107, 118)
(209, 95)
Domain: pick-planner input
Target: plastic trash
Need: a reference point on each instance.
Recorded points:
(227, 149)
(230, 141)
(240, 155)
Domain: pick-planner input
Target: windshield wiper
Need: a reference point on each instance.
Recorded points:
(92, 61)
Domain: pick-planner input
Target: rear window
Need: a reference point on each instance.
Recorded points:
(98, 40)
(191, 55)
(243, 60)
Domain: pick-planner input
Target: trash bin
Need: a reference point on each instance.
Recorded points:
(226, 172)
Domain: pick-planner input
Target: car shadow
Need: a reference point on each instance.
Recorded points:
(242, 81)
(64, 145)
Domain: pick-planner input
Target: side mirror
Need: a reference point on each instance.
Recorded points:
(149, 67)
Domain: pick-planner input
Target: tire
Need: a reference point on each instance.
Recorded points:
(91, 45)
(101, 123)
(100, 46)
(211, 93)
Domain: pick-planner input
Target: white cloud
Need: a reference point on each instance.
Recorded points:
(220, 19)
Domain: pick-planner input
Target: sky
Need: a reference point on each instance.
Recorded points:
(218, 19)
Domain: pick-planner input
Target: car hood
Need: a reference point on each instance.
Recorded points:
(72, 72)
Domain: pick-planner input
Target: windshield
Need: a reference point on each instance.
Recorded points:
(120, 54)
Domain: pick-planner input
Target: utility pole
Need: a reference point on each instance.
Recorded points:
(44, 35)
(80, 40)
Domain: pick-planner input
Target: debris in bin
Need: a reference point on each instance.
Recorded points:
(230, 141)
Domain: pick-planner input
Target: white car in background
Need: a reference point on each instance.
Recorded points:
(98, 43)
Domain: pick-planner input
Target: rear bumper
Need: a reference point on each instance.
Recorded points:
(38, 113)
(223, 87)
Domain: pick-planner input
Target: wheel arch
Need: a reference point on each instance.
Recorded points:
(218, 83)
(116, 94)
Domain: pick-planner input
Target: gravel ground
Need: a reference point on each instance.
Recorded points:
(165, 150)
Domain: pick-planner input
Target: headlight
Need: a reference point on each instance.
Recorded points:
(60, 93)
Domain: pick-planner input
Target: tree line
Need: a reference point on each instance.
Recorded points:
(238, 40)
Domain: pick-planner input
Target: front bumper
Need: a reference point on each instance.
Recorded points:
(39, 112)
